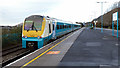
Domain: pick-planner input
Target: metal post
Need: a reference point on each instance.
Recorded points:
(117, 24)
(95, 24)
(101, 16)
(112, 28)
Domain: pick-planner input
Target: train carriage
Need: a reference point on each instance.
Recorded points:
(39, 30)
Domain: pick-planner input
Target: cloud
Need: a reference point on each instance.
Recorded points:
(14, 11)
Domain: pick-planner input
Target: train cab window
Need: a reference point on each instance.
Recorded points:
(33, 23)
(53, 27)
(49, 28)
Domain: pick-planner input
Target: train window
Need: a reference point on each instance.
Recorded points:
(49, 28)
(69, 26)
(33, 23)
(60, 26)
(57, 26)
(63, 26)
(53, 26)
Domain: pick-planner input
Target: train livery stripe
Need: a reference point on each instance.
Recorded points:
(44, 22)
(43, 53)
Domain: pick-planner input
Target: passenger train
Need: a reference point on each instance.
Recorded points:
(39, 30)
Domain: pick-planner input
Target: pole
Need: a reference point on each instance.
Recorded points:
(117, 24)
(117, 18)
(112, 28)
(102, 17)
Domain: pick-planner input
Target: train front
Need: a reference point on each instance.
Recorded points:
(32, 31)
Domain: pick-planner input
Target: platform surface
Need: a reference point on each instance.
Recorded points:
(92, 48)
(85, 47)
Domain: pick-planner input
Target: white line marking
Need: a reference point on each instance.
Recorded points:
(104, 65)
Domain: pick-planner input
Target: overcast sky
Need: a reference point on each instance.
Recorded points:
(13, 12)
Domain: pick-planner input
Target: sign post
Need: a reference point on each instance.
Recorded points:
(117, 24)
(114, 18)
(112, 28)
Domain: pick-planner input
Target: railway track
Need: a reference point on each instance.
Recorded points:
(4, 63)
(13, 54)
(6, 52)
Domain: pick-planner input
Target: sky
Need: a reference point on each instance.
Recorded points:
(13, 12)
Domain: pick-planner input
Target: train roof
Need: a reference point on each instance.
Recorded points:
(58, 20)
(34, 16)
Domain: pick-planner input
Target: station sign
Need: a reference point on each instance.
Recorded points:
(114, 20)
(114, 16)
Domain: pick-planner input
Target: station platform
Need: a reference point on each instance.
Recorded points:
(84, 47)
(110, 31)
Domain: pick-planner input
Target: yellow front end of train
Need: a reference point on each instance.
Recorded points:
(33, 28)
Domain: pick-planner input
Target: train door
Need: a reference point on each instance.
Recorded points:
(54, 34)
(50, 30)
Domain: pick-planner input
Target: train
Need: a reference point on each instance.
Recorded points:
(38, 30)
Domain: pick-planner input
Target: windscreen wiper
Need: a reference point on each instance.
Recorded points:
(27, 30)
(33, 26)
(35, 29)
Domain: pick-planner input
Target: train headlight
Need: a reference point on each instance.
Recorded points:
(24, 36)
(39, 37)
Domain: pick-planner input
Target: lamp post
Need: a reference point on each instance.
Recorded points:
(101, 15)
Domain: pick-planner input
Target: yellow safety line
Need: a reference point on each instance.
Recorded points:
(43, 53)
